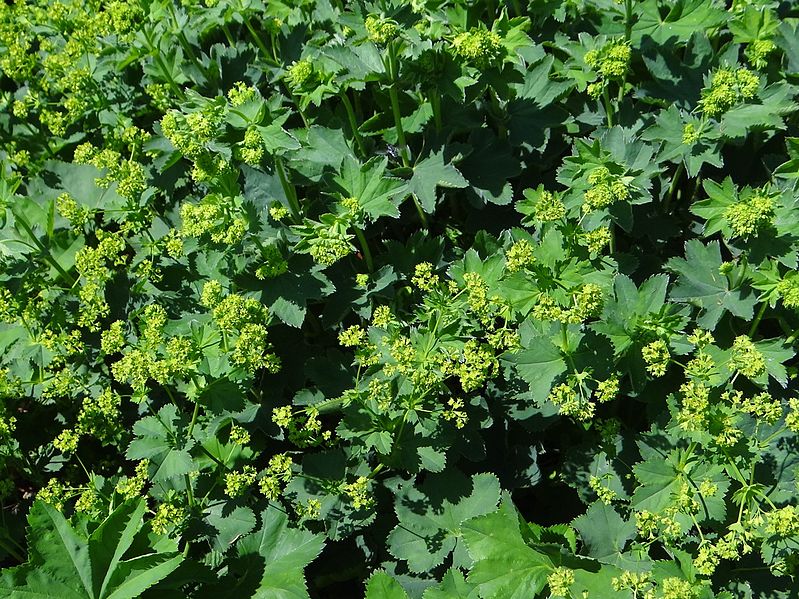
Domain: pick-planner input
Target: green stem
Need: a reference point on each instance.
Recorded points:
(608, 106)
(186, 477)
(45, 252)
(612, 244)
(628, 19)
(11, 551)
(395, 109)
(673, 187)
(162, 66)
(231, 42)
(273, 42)
(256, 38)
(213, 457)
(765, 442)
(193, 418)
(182, 38)
(517, 7)
(500, 114)
(353, 121)
(376, 470)
(435, 103)
(189, 491)
(758, 318)
(367, 254)
(419, 210)
(696, 188)
(288, 189)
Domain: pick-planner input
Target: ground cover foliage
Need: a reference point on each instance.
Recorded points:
(433, 299)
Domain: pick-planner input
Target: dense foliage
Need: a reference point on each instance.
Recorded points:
(433, 299)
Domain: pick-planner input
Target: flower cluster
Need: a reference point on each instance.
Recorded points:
(693, 412)
(788, 290)
(656, 356)
(278, 473)
(303, 428)
(570, 401)
(131, 487)
(728, 87)
(606, 189)
(604, 493)
(92, 264)
(252, 147)
(481, 47)
(190, 133)
(239, 435)
(241, 93)
(690, 134)
(751, 215)
(611, 60)
(475, 365)
(300, 74)
(169, 517)
(216, 217)
(596, 240)
(519, 256)
(129, 175)
(758, 51)
(455, 412)
(239, 481)
(70, 209)
(381, 31)
(559, 581)
(359, 493)
(746, 358)
(424, 277)
(549, 207)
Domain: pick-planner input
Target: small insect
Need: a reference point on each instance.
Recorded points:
(392, 153)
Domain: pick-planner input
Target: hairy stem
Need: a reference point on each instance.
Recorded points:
(367, 253)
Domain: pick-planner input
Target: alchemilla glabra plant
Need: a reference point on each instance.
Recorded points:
(432, 300)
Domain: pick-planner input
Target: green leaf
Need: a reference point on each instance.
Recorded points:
(59, 549)
(276, 139)
(661, 479)
(64, 563)
(604, 533)
(453, 586)
(230, 525)
(629, 307)
(539, 363)
(489, 168)
(160, 440)
(669, 128)
(777, 101)
(701, 284)
(109, 542)
(289, 294)
(377, 194)
(383, 586)
(719, 198)
(683, 19)
(776, 353)
(430, 173)
(430, 517)
(323, 149)
(505, 566)
(283, 553)
(136, 575)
